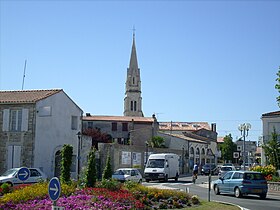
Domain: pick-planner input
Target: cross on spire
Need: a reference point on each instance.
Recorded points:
(133, 31)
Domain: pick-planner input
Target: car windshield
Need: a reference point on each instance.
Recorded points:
(226, 168)
(10, 172)
(253, 176)
(155, 163)
(122, 172)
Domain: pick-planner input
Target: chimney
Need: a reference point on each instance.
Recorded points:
(213, 127)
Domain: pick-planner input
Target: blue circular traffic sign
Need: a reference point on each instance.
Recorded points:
(54, 189)
(23, 174)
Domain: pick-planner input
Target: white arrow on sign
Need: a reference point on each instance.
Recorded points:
(25, 174)
(54, 189)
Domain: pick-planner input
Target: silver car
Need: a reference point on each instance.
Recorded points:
(224, 169)
(125, 174)
(11, 176)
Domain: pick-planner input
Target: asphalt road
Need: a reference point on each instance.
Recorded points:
(272, 202)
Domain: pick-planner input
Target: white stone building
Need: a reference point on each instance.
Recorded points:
(34, 126)
(270, 122)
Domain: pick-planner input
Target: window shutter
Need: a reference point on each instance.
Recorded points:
(14, 154)
(24, 123)
(6, 115)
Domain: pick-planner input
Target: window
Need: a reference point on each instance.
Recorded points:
(16, 119)
(90, 124)
(131, 105)
(135, 105)
(124, 127)
(228, 175)
(133, 80)
(74, 123)
(114, 126)
(14, 156)
(237, 175)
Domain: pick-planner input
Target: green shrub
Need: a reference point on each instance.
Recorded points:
(110, 184)
(66, 162)
(107, 173)
(90, 175)
(6, 188)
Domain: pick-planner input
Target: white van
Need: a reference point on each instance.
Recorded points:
(162, 166)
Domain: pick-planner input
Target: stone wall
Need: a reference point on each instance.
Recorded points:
(274, 186)
(25, 139)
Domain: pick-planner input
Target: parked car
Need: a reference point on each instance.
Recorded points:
(224, 169)
(241, 183)
(125, 174)
(11, 176)
(208, 168)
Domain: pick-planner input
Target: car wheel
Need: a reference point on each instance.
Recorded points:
(176, 178)
(166, 178)
(237, 192)
(140, 181)
(216, 190)
(263, 196)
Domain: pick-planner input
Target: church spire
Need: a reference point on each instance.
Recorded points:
(133, 65)
(133, 99)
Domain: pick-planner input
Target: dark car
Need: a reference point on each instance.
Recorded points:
(208, 168)
(241, 183)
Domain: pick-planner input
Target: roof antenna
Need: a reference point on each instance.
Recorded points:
(23, 74)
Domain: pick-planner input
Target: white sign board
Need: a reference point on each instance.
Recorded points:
(136, 158)
(126, 157)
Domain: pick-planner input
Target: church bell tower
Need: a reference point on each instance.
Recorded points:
(133, 99)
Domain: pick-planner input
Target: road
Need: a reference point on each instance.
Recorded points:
(201, 189)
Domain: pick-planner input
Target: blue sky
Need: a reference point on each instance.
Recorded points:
(213, 61)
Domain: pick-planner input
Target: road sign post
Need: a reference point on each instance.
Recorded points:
(23, 174)
(54, 190)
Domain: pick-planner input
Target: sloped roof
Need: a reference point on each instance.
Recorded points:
(181, 136)
(220, 139)
(118, 118)
(183, 126)
(271, 114)
(25, 96)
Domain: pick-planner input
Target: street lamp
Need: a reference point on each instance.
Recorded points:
(147, 151)
(244, 129)
(79, 134)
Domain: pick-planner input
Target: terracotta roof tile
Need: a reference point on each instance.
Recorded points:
(25, 96)
(183, 126)
(118, 118)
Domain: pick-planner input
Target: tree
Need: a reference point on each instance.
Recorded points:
(277, 86)
(66, 162)
(227, 148)
(272, 150)
(91, 170)
(107, 173)
(97, 136)
(157, 142)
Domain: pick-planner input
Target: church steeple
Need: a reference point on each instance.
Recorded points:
(133, 99)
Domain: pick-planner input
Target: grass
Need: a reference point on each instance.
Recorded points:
(205, 205)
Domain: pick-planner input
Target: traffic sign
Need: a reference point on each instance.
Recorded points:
(54, 189)
(23, 174)
(236, 155)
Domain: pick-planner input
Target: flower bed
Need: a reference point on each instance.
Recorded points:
(128, 196)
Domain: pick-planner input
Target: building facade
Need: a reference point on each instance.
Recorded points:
(34, 126)
(270, 122)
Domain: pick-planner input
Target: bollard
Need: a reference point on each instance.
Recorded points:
(209, 186)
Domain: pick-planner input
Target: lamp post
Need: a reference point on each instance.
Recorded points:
(244, 129)
(78, 153)
(147, 151)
